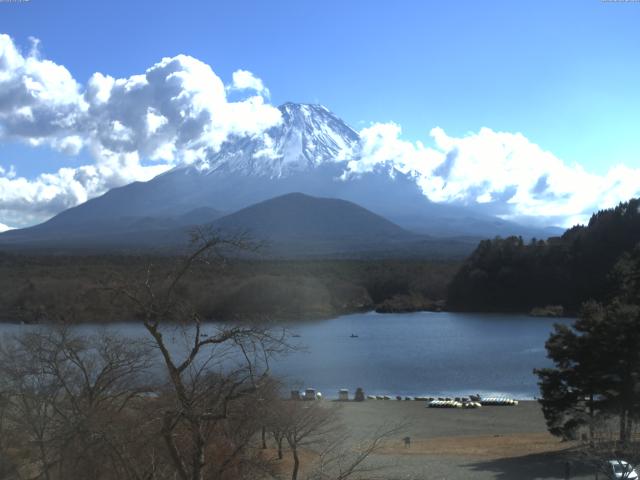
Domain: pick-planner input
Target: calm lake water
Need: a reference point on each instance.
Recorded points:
(431, 354)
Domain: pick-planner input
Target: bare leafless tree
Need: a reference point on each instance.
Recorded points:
(213, 371)
(276, 425)
(69, 399)
(187, 402)
(304, 424)
(7, 468)
(316, 427)
(341, 458)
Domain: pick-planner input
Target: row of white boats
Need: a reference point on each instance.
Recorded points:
(474, 401)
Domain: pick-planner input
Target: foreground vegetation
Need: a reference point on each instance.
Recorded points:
(593, 391)
(107, 407)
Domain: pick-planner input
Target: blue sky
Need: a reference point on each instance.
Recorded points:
(565, 74)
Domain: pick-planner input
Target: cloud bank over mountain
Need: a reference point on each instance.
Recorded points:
(134, 128)
(179, 111)
(501, 173)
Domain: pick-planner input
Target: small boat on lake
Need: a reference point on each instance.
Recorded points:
(353, 335)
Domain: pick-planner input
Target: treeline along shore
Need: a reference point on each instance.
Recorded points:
(553, 276)
(35, 287)
(585, 263)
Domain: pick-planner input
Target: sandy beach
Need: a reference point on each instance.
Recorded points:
(485, 443)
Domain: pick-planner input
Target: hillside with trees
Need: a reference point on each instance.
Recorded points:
(509, 274)
(33, 287)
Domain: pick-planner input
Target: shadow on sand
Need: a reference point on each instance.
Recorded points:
(548, 465)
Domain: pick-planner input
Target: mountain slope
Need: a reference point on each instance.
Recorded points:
(296, 216)
(307, 152)
(298, 225)
(290, 226)
(67, 231)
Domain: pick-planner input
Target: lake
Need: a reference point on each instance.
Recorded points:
(425, 353)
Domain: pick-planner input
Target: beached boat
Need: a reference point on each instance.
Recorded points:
(498, 401)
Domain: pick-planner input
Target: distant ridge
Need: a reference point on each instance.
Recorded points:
(308, 152)
(293, 225)
(296, 216)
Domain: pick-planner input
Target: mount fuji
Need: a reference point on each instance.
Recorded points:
(307, 153)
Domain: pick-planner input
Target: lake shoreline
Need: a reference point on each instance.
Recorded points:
(311, 318)
(429, 354)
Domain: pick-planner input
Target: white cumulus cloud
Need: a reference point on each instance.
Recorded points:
(178, 111)
(245, 80)
(39, 100)
(134, 128)
(500, 173)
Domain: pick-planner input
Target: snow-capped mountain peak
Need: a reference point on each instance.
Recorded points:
(308, 136)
